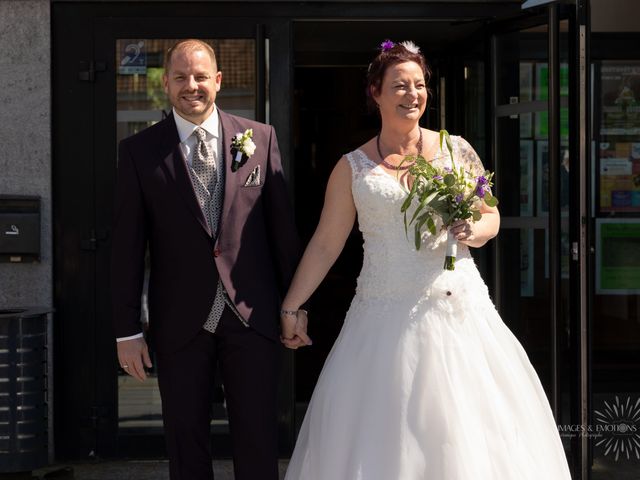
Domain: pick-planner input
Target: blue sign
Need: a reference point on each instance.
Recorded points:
(133, 58)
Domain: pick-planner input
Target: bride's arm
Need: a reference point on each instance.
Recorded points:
(336, 222)
(476, 234)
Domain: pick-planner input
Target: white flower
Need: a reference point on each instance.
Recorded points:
(243, 144)
(249, 147)
(412, 47)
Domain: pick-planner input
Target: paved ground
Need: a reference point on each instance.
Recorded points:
(127, 470)
(603, 469)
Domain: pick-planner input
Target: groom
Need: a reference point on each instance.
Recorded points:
(215, 214)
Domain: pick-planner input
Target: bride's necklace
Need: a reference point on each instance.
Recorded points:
(396, 167)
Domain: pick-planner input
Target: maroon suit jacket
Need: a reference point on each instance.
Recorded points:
(255, 253)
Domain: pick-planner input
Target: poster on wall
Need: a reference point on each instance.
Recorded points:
(620, 86)
(620, 177)
(526, 262)
(526, 178)
(542, 178)
(617, 256)
(542, 93)
(526, 95)
(619, 152)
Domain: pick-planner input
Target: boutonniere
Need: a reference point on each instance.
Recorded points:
(242, 147)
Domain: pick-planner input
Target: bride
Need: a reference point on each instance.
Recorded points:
(425, 381)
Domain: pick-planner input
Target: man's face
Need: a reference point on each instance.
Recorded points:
(191, 83)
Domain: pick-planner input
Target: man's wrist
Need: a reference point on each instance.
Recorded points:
(131, 337)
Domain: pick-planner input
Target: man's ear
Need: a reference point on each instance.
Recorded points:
(218, 79)
(165, 83)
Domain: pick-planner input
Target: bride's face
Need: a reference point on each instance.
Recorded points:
(403, 93)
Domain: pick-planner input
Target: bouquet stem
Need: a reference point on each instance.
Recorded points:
(452, 250)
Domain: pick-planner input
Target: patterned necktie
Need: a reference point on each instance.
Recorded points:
(203, 162)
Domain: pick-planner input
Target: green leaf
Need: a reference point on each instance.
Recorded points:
(418, 237)
(476, 215)
(490, 200)
(442, 134)
(431, 225)
(423, 204)
(449, 180)
(407, 203)
(432, 194)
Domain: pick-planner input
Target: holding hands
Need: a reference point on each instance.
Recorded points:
(294, 328)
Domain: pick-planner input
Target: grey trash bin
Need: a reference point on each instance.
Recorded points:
(23, 389)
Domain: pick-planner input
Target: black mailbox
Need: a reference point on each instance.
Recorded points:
(19, 229)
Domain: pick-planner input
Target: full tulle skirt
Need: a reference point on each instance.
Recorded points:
(433, 386)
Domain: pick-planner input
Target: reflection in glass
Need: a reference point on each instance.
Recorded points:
(615, 300)
(522, 184)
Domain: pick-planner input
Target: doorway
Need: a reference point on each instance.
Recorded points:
(490, 84)
(308, 81)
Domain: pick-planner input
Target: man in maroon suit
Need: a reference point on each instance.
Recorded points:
(205, 191)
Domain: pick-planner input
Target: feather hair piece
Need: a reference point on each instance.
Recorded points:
(412, 47)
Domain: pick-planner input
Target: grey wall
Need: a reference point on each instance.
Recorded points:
(25, 137)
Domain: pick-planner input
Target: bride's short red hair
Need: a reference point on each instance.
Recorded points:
(387, 58)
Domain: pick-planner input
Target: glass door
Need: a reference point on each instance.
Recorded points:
(129, 97)
(531, 148)
(615, 290)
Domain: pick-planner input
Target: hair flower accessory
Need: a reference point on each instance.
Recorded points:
(412, 47)
(387, 45)
(242, 147)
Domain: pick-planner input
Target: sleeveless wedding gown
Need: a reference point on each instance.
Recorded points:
(425, 381)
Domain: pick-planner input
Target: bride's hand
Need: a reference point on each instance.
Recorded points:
(294, 330)
(463, 231)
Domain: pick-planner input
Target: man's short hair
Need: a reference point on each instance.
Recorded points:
(189, 45)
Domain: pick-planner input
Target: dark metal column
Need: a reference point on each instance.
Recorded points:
(554, 198)
(581, 293)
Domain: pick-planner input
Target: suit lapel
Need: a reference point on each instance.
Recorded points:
(229, 128)
(176, 165)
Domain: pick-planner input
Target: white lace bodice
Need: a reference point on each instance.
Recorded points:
(392, 266)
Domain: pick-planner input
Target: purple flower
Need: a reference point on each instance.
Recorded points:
(437, 177)
(387, 45)
(448, 169)
(459, 198)
(482, 186)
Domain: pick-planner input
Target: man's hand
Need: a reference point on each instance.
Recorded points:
(294, 330)
(133, 356)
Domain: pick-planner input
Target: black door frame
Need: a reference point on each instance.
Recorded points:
(107, 31)
(85, 402)
(551, 15)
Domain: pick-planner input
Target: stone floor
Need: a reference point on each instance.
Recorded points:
(223, 469)
(603, 469)
(126, 470)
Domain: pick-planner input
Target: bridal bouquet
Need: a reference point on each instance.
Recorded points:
(452, 193)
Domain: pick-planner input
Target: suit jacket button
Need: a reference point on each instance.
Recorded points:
(216, 252)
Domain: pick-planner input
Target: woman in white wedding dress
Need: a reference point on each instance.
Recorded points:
(425, 381)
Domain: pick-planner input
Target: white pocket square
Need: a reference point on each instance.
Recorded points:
(253, 180)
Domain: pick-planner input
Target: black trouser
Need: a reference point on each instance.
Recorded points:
(249, 365)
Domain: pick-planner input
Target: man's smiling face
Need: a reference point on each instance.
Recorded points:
(191, 83)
